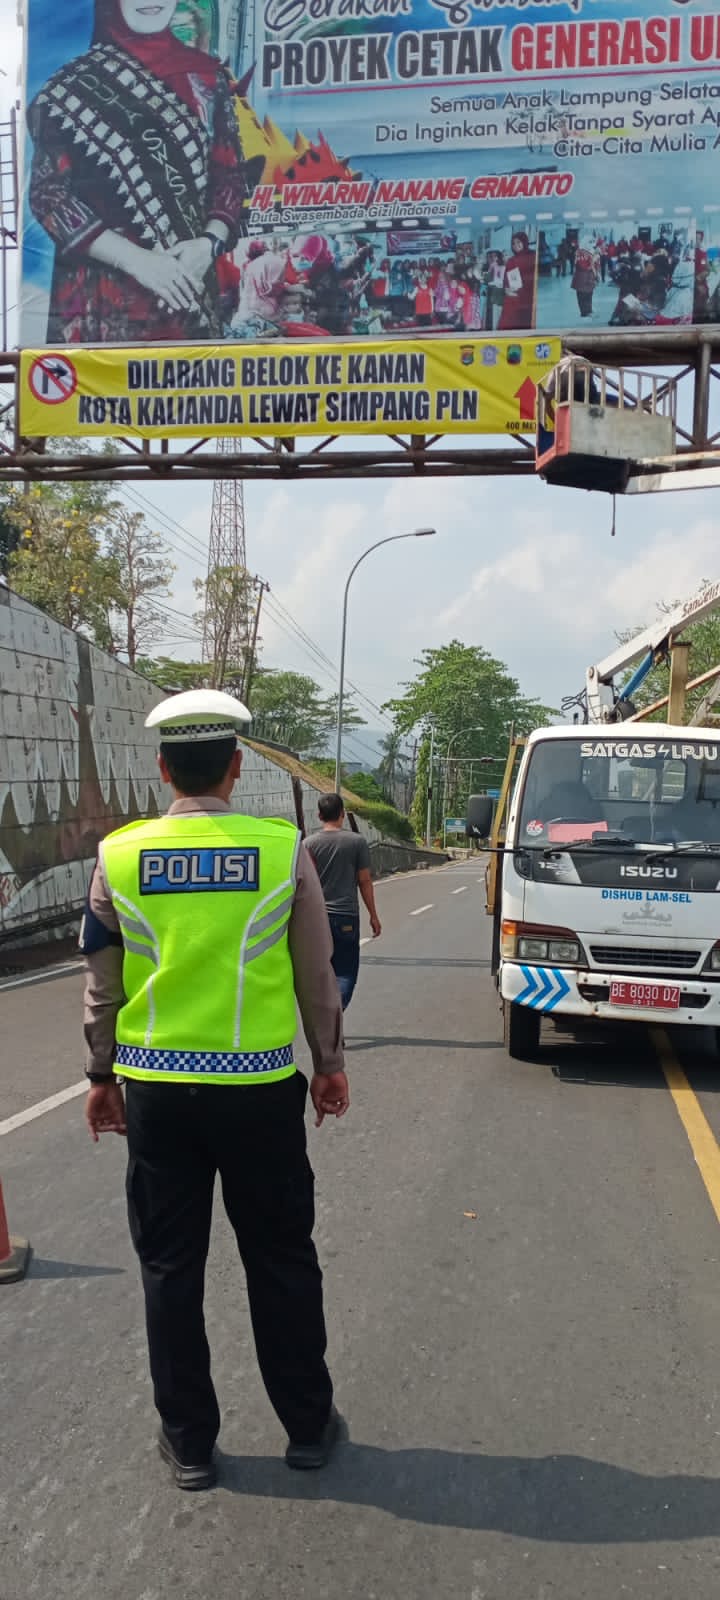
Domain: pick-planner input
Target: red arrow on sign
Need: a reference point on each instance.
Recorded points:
(526, 396)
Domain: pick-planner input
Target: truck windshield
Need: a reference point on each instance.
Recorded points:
(634, 791)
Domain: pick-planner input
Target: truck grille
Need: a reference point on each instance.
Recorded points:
(608, 955)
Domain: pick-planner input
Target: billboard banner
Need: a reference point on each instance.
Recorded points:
(435, 386)
(209, 170)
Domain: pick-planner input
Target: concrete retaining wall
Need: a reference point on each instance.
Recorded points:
(77, 761)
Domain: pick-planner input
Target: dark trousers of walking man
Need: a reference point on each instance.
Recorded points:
(345, 932)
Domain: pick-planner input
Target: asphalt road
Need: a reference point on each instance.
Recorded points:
(521, 1267)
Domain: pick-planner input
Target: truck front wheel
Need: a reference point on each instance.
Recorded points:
(521, 1032)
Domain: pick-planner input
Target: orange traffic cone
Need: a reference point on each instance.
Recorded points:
(14, 1253)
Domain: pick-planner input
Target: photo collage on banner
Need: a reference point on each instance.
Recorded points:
(243, 170)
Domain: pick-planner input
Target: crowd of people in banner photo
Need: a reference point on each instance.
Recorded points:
(116, 248)
(334, 283)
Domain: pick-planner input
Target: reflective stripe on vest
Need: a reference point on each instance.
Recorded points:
(203, 903)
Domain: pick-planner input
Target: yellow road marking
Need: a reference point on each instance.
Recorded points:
(703, 1143)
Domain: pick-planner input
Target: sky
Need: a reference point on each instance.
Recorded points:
(529, 572)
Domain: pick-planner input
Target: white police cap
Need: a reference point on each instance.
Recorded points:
(197, 715)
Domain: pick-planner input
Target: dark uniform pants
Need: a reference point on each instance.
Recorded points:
(179, 1137)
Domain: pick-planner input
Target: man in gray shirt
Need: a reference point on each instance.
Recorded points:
(342, 859)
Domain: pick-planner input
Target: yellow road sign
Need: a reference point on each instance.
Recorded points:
(471, 385)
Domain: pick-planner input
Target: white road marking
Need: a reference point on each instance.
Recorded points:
(43, 975)
(420, 910)
(463, 890)
(53, 1100)
(367, 939)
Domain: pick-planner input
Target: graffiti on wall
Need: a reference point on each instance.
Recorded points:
(75, 761)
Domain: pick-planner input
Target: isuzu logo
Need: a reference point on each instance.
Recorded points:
(635, 870)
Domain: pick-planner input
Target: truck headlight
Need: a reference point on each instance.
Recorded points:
(526, 941)
(564, 950)
(530, 949)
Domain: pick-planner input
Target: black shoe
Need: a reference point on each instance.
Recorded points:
(200, 1476)
(307, 1457)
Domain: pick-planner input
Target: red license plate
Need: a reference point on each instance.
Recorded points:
(658, 996)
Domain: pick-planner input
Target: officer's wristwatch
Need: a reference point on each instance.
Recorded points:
(99, 1077)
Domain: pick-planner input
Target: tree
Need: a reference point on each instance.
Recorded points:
(174, 675)
(9, 530)
(365, 786)
(462, 687)
(704, 640)
(58, 563)
(135, 622)
(224, 621)
(88, 561)
(473, 703)
(393, 769)
(290, 708)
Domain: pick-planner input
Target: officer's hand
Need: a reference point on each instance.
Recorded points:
(330, 1095)
(105, 1109)
(375, 927)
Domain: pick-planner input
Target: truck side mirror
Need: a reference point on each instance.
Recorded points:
(479, 816)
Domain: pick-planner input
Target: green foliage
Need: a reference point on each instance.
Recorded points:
(704, 640)
(385, 818)
(473, 703)
(174, 675)
(9, 530)
(88, 561)
(291, 709)
(462, 687)
(59, 563)
(366, 786)
(393, 773)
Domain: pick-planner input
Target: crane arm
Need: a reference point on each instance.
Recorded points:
(651, 645)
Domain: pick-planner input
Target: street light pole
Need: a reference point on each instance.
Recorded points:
(392, 538)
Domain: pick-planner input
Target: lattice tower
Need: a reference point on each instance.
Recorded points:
(223, 637)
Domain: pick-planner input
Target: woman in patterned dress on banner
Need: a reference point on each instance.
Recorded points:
(138, 177)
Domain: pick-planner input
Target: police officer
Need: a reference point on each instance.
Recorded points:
(202, 928)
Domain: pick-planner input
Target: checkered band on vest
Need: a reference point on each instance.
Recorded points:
(248, 1063)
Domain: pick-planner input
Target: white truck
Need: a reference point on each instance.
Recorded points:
(604, 877)
(610, 903)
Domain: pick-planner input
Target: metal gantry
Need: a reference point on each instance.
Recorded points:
(688, 356)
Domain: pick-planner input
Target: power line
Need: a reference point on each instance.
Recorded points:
(188, 549)
(319, 657)
(191, 545)
(330, 663)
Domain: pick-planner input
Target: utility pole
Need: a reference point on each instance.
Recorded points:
(262, 588)
(428, 828)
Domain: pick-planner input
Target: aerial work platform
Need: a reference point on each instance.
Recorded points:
(599, 426)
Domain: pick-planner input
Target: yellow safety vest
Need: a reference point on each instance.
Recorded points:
(203, 905)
